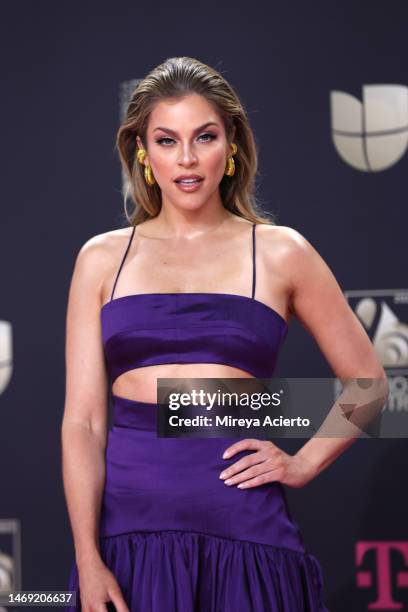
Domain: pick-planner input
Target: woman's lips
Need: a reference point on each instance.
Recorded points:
(189, 186)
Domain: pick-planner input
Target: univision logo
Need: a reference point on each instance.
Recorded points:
(371, 135)
(6, 354)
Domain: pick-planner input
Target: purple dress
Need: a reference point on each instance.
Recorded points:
(175, 536)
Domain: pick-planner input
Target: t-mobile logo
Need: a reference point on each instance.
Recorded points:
(382, 576)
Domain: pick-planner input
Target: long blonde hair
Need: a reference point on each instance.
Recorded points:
(176, 78)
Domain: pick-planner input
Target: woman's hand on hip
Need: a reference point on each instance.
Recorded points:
(268, 463)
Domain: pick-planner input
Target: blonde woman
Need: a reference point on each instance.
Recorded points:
(200, 284)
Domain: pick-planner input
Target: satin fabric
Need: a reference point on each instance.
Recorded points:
(178, 539)
(175, 536)
(156, 328)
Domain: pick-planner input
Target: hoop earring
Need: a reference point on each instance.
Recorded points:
(149, 178)
(230, 167)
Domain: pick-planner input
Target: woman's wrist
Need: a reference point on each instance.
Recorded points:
(89, 555)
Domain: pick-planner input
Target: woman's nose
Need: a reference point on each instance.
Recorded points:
(187, 155)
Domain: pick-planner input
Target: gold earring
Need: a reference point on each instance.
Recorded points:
(149, 178)
(230, 167)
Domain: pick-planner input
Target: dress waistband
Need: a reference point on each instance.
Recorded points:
(134, 414)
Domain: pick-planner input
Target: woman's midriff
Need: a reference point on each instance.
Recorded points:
(140, 384)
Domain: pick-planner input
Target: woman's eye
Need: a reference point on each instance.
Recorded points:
(166, 138)
(212, 136)
(160, 141)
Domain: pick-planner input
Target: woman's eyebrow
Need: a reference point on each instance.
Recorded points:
(194, 132)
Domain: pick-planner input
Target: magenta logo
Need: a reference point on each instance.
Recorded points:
(383, 576)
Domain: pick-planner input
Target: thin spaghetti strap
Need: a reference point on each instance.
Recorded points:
(123, 261)
(253, 261)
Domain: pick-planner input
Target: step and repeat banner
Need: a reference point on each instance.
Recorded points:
(326, 91)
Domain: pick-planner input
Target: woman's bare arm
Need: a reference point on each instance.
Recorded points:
(316, 299)
(84, 425)
(318, 302)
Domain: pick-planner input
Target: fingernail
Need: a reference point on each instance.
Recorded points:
(222, 475)
(227, 482)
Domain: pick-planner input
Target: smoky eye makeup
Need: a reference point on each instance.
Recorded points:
(205, 137)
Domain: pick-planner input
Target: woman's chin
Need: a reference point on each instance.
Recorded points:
(188, 201)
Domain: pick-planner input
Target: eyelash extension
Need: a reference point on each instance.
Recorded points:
(212, 137)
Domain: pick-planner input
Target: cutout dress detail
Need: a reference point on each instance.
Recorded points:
(175, 536)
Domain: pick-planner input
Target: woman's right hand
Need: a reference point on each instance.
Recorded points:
(97, 587)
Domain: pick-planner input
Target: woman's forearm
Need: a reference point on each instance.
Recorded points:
(83, 466)
(353, 411)
(319, 453)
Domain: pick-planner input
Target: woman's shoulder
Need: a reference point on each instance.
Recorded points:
(287, 251)
(281, 241)
(281, 233)
(99, 253)
(107, 243)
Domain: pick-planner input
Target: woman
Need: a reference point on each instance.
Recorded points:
(190, 289)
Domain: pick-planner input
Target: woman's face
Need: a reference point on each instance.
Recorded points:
(186, 137)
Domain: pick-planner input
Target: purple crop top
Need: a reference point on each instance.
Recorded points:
(158, 328)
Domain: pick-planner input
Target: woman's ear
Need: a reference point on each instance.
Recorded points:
(139, 145)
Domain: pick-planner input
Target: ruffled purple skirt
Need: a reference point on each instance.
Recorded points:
(178, 539)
